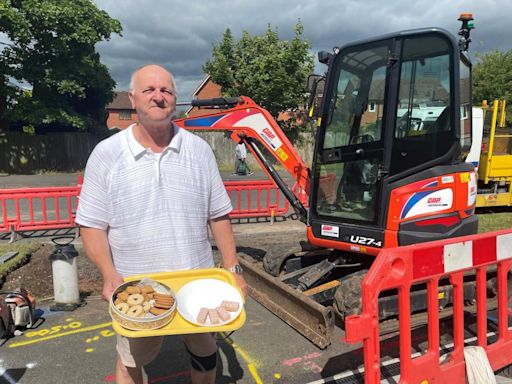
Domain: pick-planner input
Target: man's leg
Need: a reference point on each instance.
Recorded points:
(128, 375)
(202, 348)
(198, 377)
(237, 164)
(133, 354)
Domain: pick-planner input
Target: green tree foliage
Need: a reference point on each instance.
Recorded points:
(492, 77)
(51, 49)
(271, 71)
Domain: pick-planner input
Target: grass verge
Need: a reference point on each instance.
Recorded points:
(24, 250)
(494, 221)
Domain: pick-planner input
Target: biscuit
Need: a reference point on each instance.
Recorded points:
(135, 299)
(230, 306)
(123, 295)
(214, 316)
(157, 295)
(164, 301)
(223, 314)
(133, 289)
(163, 306)
(157, 311)
(147, 289)
(123, 307)
(135, 311)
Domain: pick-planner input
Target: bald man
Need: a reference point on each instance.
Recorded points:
(135, 213)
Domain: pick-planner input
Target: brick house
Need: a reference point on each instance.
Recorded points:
(209, 90)
(120, 112)
(206, 90)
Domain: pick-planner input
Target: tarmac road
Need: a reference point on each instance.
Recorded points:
(79, 347)
(70, 179)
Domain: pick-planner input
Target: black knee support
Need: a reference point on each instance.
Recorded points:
(203, 363)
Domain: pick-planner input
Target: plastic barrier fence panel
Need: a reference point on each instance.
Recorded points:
(32, 209)
(256, 198)
(456, 261)
(38, 208)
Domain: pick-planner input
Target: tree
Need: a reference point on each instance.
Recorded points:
(51, 49)
(271, 71)
(492, 77)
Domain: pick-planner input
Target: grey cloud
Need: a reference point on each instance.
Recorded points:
(180, 34)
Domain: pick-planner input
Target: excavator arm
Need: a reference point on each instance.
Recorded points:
(251, 123)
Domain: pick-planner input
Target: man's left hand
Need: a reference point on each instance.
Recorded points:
(240, 281)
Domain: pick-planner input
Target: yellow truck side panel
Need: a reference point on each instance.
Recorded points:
(499, 167)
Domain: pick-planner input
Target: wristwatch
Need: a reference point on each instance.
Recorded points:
(237, 269)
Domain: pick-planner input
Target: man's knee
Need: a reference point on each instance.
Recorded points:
(203, 363)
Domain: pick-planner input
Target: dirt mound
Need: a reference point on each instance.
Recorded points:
(36, 275)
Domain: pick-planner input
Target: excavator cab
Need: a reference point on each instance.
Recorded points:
(396, 110)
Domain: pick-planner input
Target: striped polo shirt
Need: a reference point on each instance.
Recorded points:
(154, 208)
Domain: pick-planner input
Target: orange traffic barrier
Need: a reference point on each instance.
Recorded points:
(256, 198)
(33, 209)
(428, 263)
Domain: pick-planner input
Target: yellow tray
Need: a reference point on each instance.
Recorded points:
(178, 324)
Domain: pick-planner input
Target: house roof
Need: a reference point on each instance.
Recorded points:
(121, 101)
(203, 83)
(197, 90)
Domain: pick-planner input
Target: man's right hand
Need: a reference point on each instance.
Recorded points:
(96, 245)
(110, 284)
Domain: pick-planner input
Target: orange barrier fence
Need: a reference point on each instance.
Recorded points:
(31, 209)
(428, 264)
(38, 208)
(256, 198)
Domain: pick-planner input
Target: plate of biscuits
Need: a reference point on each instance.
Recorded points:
(143, 304)
(209, 302)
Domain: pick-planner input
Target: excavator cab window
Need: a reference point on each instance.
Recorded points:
(350, 156)
(424, 117)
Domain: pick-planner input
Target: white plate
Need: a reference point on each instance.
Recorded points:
(208, 293)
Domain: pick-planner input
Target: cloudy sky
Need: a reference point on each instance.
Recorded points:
(180, 34)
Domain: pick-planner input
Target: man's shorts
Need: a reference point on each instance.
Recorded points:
(140, 351)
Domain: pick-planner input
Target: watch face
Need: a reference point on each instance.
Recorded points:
(236, 269)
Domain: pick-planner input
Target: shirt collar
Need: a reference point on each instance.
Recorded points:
(137, 149)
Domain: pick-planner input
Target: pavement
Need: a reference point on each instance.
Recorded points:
(79, 346)
(70, 179)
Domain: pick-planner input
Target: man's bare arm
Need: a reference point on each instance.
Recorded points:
(96, 245)
(225, 241)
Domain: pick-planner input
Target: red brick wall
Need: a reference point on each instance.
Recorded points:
(114, 121)
(209, 91)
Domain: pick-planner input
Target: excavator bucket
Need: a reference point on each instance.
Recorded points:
(311, 319)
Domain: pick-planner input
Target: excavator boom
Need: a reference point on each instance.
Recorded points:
(251, 123)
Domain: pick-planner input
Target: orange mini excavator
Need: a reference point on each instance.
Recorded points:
(388, 166)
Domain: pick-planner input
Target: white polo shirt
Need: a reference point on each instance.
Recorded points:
(154, 208)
